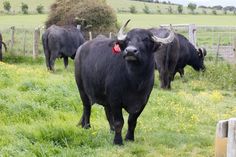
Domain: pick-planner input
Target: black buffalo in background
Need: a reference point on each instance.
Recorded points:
(2, 43)
(117, 74)
(166, 58)
(61, 42)
(173, 57)
(189, 55)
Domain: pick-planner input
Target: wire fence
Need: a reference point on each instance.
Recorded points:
(220, 41)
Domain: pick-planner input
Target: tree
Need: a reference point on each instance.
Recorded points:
(204, 11)
(146, 9)
(180, 9)
(170, 10)
(7, 6)
(40, 9)
(192, 7)
(214, 12)
(97, 14)
(132, 9)
(24, 8)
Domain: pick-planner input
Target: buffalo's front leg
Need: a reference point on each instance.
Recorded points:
(132, 121)
(118, 124)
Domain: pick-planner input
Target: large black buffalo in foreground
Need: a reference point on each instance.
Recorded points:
(5, 46)
(61, 42)
(189, 55)
(117, 74)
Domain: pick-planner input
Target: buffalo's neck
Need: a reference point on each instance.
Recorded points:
(141, 74)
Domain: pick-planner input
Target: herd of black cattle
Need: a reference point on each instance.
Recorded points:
(119, 72)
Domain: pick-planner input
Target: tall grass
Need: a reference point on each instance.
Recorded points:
(40, 110)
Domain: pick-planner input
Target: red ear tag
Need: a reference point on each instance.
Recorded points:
(116, 49)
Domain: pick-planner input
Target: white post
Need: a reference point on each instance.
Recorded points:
(221, 138)
(225, 144)
(192, 34)
(231, 147)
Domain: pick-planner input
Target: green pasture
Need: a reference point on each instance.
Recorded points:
(40, 110)
(117, 5)
(138, 20)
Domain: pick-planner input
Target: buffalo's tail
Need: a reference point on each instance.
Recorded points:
(4, 44)
(46, 49)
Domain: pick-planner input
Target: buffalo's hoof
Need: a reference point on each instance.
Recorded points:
(118, 142)
(129, 137)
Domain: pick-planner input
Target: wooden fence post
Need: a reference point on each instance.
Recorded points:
(90, 36)
(110, 35)
(218, 48)
(24, 41)
(36, 42)
(192, 34)
(12, 36)
(225, 143)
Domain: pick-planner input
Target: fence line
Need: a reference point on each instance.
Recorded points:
(28, 42)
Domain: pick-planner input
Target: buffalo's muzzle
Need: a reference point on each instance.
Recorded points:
(130, 53)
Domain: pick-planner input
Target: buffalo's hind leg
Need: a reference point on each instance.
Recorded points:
(132, 121)
(65, 61)
(85, 119)
(110, 117)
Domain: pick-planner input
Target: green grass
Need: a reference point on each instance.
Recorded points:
(39, 112)
(22, 21)
(122, 5)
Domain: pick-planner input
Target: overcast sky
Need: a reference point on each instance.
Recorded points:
(205, 2)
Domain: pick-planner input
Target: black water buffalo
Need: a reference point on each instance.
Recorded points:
(117, 74)
(5, 46)
(61, 42)
(189, 55)
(166, 58)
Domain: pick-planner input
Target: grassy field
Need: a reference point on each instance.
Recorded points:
(117, 5)
(138, 20)
(39, 112)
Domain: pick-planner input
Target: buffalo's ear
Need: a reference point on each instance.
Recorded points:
(200, 53)
(112, 43)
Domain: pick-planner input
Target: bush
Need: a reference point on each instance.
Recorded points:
(180, 9)
(40, 9)
(132, 9)
(98, 14)
(170, 10)
(146, 9)
(214, 12)
(7, 6)
(24, 8)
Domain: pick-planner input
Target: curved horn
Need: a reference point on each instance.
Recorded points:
(121, 35)
(166, 40)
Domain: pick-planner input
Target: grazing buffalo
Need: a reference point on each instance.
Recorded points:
(117, 73)
(166, 58)
(189, 55)
(61, 42)
(2, 43)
